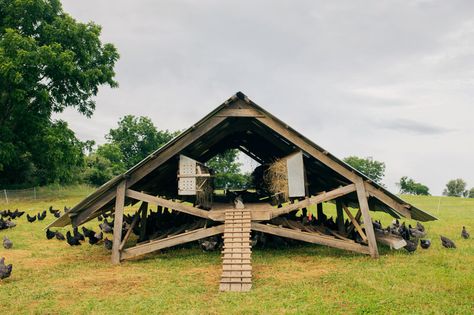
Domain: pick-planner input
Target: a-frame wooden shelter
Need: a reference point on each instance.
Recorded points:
(240, 123)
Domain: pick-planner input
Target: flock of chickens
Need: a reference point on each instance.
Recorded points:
(415, 235)
(169, 222)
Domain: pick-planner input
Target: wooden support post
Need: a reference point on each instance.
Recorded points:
(118, 220)
(369, 228)
(340, 216)
(319, 208)
(143, 221)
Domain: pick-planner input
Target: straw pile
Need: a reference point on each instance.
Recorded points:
(275, 178)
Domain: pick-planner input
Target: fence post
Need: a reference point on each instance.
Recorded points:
(6, 197)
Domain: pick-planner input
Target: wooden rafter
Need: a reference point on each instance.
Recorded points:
(151, 165)
(182, 238)
(310, 237)
(325, 196)
(168, 204)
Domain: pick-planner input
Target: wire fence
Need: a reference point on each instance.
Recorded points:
(43, 193)
(9, 195)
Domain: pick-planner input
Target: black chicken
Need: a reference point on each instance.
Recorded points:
(87, 232)
(50, 234)
(464, 233)
(59, 236)
(57, 214)
(446, 242)
(30, 219)
(411, 245)
(108, 244)
(105, 227)
(42, 216)
(53, 211)
(5, 270)
(425, 244)
(77, 234)
(72, 240)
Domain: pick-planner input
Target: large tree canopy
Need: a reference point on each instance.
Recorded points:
(375, 170)
(409, 186)
(137, 137)
(48, 62)
(455, 188)
(228, 172)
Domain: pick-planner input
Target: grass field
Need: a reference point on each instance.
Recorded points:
(52, 277)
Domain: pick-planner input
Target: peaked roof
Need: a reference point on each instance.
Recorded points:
(237, 123)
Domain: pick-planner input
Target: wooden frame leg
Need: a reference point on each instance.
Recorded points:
(118, 220)
(143, 221)
(340, 216)
(369, 228)
(319, 210)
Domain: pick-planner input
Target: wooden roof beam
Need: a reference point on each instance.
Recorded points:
(168, 204)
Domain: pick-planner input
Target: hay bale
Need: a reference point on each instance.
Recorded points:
(275, 178)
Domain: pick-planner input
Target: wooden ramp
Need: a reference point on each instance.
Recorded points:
(236, 263)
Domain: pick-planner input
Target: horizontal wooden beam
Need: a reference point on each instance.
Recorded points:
(325, 196)
(171, 241)
(388, 201)
(310, 237)
(168, 204)
(239, 112)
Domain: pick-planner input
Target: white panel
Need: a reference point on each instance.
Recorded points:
(187, 185)
(295, 168)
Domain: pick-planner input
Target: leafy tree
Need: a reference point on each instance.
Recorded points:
(455, 188)
(471, 193)
(137, 137)
(373, 169)
(48, 62)
(227, 169)
(104, 164)
(409, 186)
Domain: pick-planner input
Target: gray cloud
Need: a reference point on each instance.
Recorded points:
(332, 70)
(414, 127)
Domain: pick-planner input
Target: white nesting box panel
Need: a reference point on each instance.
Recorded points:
(296, 176)
(187, 176)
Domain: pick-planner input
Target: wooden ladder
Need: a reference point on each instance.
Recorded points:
(236, 263)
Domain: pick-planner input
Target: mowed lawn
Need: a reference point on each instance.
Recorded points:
(49, 276)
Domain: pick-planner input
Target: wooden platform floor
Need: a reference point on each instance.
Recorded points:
(258, 211)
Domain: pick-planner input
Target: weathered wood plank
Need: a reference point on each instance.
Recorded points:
(310, 238)
(118, 220)
(369, 228)
(355, 223)
(168, 204)
(239, 112)
(325, 196)
(171, 241)
(399, 208)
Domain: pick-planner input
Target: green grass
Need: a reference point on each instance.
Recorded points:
(51, 277)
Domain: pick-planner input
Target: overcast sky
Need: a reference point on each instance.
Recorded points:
(393, 80)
